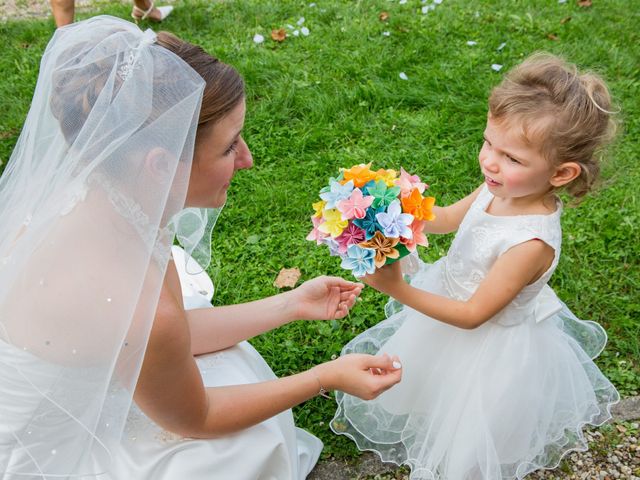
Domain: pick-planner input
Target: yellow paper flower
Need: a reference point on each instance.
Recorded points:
(387, 176)
(318, 207)
(333, 224)
(418, 206)
(360, 174)
(383, 247)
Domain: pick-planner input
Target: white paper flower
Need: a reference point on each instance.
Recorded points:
(403, 76)
(257, 38)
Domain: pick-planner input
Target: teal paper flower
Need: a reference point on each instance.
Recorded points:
(370, 222)
(382, 195)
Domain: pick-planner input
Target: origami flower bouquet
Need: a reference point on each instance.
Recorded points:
(370, 219)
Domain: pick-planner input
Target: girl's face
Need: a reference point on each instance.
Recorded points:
(219, 152)
(512, 167)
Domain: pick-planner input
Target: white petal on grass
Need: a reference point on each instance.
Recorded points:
(496, 67)
(471, 43)
(296, 33)
(437, 2)
(402, 2)
(312, 4)
(562, 1)
(301, 21)
(386, 34)
(304, 31)
(290, 27)
(257, 38)
(425, 9)
(403, 76)
(501, 46)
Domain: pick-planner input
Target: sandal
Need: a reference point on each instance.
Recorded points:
(139, 14)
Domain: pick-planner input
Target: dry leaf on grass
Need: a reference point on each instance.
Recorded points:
(288, 277)
(565, 20)
(384, 16)
(552, 36)
(584, 3)
(278, 35)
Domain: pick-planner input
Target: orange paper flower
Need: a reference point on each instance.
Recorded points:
(383, 247)
(360, 174)
(418, 206)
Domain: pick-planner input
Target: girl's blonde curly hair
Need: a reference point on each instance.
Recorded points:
(567, 113)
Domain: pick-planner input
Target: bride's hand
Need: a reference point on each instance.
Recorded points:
(361, 375)
(324, 298)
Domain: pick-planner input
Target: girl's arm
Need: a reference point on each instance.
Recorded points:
(518, 267)
(323, 298)
(448, 219)
(170, 388)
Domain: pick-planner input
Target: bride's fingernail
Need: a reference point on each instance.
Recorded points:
(397, 365)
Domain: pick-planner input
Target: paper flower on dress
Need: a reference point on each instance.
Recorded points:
(352, 235)
(359, 260)
(418, 206)
(408, 182)
(333, 223)
(359, 174)
(336, 192)
(417, 236)
(382, 194)
(394, 223)
(384, 248)
(371, 218)
(369, 223)
(355, 206)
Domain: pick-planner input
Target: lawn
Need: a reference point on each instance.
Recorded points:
(335, 98)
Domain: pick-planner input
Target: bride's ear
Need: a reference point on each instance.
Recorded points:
(157, 164)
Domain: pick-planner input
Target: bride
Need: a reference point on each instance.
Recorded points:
(132, 140)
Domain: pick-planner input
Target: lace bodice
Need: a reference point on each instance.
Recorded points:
(483, 237)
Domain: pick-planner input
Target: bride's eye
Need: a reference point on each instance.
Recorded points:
(232, 148)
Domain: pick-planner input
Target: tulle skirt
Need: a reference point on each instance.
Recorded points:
(491, 403)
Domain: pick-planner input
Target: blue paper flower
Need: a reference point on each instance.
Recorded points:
(394, 223)
(369, 223)
(336, 193)
(359, 260)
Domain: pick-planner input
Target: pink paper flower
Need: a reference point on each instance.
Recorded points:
(355, 206)
(352, 235)
(419, 238)
(316, 234)
(408, 182)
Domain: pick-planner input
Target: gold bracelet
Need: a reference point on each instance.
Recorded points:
(322, 392)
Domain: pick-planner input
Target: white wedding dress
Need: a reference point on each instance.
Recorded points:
(272, 450)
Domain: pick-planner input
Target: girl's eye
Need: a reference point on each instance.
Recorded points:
(513, 160)
(232, 148)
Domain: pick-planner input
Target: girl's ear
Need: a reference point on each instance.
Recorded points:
(157, 164)
(565, 173)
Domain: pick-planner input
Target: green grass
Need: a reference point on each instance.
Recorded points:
(334, 98)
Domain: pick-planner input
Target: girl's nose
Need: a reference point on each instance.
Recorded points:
(489, 161)
(244, 159)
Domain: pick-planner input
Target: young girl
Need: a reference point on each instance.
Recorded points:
(498, 377)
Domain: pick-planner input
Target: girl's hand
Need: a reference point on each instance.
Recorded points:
(324, 298)
(386, 279)
(361, 375)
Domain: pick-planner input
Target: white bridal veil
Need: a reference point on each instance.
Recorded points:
(89, 205)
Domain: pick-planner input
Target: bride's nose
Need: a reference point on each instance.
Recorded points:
(244, 159)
